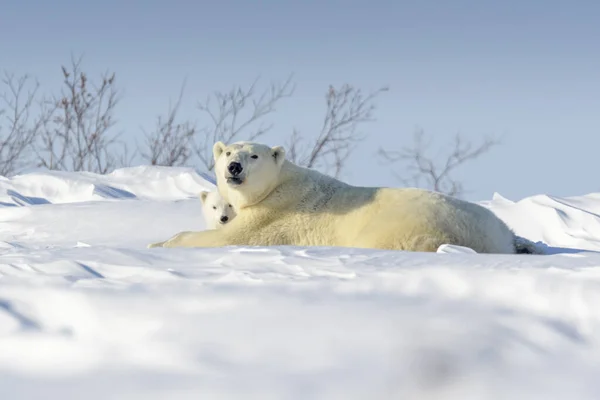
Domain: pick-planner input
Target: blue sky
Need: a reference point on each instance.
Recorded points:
(526, 70)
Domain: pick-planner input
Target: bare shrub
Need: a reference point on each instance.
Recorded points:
(171, 142)
(19, 126)
(425, 170)
(79, 136)
(346, 109)
(235, 113)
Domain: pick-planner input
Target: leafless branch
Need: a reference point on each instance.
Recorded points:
(225, 112)
(347, 108)
(170, 142)
(18, 129)
(436, 176)
(78, 137)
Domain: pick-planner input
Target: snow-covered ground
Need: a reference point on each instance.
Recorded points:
(88, 312)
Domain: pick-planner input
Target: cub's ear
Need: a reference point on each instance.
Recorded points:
(218, 149)
(278, 153)
(203, 196)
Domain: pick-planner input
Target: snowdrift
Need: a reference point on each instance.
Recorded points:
(87, 311)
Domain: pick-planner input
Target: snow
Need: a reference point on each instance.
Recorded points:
(87, 311)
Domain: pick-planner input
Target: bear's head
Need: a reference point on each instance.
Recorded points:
(216, 210)
(246, 172)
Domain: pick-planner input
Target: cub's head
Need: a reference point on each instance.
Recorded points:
(245, 171)
(217, 212)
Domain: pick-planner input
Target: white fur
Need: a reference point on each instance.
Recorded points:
(217, 211)
(280, 203)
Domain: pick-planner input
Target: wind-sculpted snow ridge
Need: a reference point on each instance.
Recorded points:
(87, 311)
(569, 223)
(56, 187)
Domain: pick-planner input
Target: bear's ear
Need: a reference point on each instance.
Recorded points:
(278, 153)
(218, 149)
(203, 195)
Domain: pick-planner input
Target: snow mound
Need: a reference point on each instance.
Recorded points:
(87, 311)
(561, 222)
(56, 187)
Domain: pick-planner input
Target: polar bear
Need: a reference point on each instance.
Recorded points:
(217, 212)
(280, 203)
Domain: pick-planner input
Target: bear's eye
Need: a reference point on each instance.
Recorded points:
(214, 208)
(230, 206)
(254, 156)
(228, 153)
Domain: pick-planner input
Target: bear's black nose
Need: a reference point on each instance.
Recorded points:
(234, 168)
(224, 218)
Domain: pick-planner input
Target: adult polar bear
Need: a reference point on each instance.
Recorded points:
(280, 203)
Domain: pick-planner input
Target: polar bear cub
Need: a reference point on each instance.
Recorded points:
(217, 212)
(280, 203)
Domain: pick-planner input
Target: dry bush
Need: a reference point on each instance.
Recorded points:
(346, 109)
(425, 170)
(80, 135)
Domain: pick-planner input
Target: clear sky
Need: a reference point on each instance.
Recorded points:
(528, 70)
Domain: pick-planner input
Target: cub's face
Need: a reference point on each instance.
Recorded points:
(247, 167)
(216, 210)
